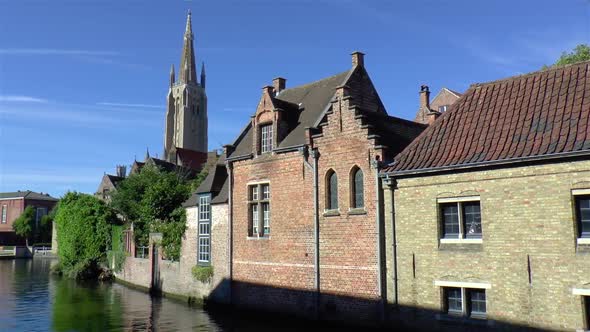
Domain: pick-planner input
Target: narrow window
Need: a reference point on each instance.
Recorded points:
(454, 301)
(259, 210)
(41, 211)
(461, 220)
(357, 193)
(583, 215)
(332, 191)
(477, 302)
(442, 108)
(4, 213)
(204, 254)
(266, 138)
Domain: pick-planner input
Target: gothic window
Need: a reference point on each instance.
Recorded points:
(357, 188)
(266, 138)
(331, 190)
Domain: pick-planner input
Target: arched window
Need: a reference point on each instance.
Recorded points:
(331, 191)
(357, 193)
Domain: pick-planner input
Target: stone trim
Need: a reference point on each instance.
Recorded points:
(458, 199)
(580, 192)
(460, 284)
(583, 240)
(581, 291)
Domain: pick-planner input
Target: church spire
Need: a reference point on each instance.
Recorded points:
(188, 70)
(203, 74)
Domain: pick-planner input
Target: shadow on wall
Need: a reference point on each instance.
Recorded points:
(338, 312)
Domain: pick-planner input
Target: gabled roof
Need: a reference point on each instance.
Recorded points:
(540, 115)
(191, 159)
(306, 103)
(214, 183)
(27, 194)
(114, 179)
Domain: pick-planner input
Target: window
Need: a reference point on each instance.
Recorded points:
(442, 108)
(331, 191)
(460, 219)
(266, 138)
(142, 252)
(4, 213)
(41, 211)
(259, 208)
(583, 215)
(467, 302)
(357, 193)
(586, 300)
(204, 235)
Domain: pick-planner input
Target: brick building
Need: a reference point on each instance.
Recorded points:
(491, 225)
(12, 206)
(303, 213)
(429, 110)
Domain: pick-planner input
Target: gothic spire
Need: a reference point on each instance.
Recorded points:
(188, 70)
(203, 74)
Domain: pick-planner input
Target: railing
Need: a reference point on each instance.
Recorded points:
(8, 251)
(43, 250)
(142, 252)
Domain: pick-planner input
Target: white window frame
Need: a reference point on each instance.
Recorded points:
(258, 219)
(462, 237)
(4, 219)
(464, 286)
(266, 132)
(579, 192)
(204, 230)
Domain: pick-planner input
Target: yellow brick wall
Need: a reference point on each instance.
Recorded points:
(525, 211)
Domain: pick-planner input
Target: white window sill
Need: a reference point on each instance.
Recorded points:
(584, 240)
(462, 241)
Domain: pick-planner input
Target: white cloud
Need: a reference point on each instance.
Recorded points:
(22, 99)
(130, 105)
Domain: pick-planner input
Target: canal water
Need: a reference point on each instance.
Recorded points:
(33, 300)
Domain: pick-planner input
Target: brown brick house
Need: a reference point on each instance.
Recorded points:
(429, 110)
(12, 205)
(489, 222)
(302, 196)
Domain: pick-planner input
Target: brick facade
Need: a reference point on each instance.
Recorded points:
(14, 208)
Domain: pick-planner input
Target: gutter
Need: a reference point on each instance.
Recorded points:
(230, 178)
(316, 221)
(390, 183)
(502, 162)
(375, 164)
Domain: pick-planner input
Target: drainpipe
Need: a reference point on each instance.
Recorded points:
(390, 183)
(315, 154)
(230, 184)
(375, 165)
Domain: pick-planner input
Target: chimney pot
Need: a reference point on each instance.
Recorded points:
(424, 97)
(358, 59)
(279, 84)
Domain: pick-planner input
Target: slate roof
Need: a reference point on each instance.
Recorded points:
(114, 179)
(314, 98)
(215, 183)
(27, 194)
(534, 116)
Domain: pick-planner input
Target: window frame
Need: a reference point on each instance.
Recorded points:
(467, 289)
(581, 235)
(37, 210)
(204, 230)
(330, 193)
(443, 108)
(259, 220)
(4, 216)
(462, 236)
(355, 202)
(266, 138)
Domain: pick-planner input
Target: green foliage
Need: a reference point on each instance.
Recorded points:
(116, 256)
(25, 223)
(84, 232)
(152, 200)
(46, 225)
(580, 53)
(199, 179)
(202, 273)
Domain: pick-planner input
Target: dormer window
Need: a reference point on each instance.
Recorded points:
(442, 108)
(266, 138)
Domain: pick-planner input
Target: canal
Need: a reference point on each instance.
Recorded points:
(33, 300)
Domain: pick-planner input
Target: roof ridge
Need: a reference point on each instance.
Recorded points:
(313, 82)
(537, 72)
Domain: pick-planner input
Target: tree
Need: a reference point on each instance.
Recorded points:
(580, 53)
(24, 225)
(83, 233)
(152, 199)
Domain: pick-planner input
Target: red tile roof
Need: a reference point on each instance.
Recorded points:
(538, 115)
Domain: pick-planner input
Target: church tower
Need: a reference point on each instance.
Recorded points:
(186, 113)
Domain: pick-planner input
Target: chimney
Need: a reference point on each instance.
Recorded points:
(432, 116)
(424, 97)
(121, 171)
(358, 59)
(279, 84)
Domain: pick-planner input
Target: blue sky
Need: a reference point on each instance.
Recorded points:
(83, 83)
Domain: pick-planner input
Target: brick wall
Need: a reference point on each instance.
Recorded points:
(525, 211)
